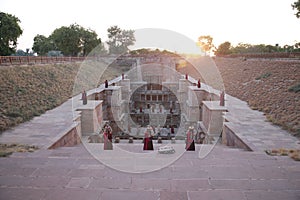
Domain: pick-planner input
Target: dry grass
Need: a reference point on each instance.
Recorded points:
(29, 91)
(292, 153)
(8, 149)
(270, 86)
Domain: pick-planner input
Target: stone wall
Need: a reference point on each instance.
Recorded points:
(229, 138)
(91, 117)
(71, 138)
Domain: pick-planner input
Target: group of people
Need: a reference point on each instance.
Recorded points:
(148, 136)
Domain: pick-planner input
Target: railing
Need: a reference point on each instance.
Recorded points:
(27, 60)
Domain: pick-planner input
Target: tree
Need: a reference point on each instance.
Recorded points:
(67, 39)
(271, 49)
(241, 48)
(74, 40)
(205, 42)
(223, 49)
(119, 40)
(42, 45)
(89, 41)
(9, 33)
(296, 6)
(297, 47)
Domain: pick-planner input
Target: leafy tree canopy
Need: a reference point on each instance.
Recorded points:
(42, 45)
(73, 40)
(67, 39)
(119, 40)
(296, 6)
(153, 52)
(10, 30)
(223, 49)
(205, 42)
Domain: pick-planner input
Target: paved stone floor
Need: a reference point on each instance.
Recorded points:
(254, 130)
(226, 173)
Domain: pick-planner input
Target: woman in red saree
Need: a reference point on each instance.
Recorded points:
(107, 136)
(148, 144)
(190, 144)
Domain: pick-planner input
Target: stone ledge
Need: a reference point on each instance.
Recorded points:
(69, 137)
(91, 105)
(214, 105)
(230, 138)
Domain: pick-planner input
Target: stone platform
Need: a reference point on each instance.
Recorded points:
(253, 129)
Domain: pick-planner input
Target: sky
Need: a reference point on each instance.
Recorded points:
(236, 21)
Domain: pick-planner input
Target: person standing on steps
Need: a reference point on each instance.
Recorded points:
(148, 144)
(190, 144)
(84, 98)
(107, 136)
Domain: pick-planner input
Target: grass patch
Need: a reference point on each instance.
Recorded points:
(26, 92)
(292, 153)
(5, 154)
(295, 88)
(263, 76)
(8, 149)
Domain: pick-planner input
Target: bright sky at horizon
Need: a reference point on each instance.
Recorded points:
(254, 22)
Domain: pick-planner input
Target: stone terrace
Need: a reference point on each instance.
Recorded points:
(226, 173)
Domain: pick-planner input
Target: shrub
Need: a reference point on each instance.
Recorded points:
(265, 75)
(295, 88)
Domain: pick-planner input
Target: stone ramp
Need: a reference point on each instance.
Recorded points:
(43, 130)
(72, 173)
(254, 130)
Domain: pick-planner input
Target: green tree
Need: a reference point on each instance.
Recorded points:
(119, 40)
(297, 47)
(89, 41)
(42, 45)
(67, 39)
(223, 49)
(74, 40)
(296, 6)
(241, 48)
(9, 33)
(205, 42)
